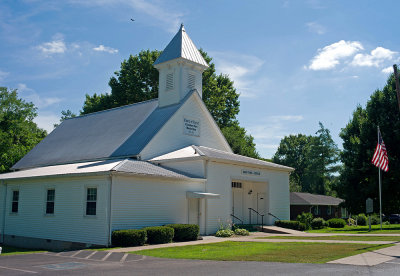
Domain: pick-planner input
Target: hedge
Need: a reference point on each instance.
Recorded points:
(336, 223)
(131, 237)
(291, 224)
(185, 232)
(317, 223)
(362, 219)
(159, 234)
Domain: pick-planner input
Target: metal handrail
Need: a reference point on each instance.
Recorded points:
(273, 216)
(262, 217)
(232, 215)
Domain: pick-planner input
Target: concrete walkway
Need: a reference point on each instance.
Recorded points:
(364, 259)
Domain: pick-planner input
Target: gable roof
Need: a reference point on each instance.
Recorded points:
(181, 46)
(297, 198)
(114, 133)
(124, 166)
(201, 152)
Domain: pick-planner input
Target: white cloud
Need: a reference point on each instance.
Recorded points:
(30, 95)
(102, 48)
(242, 69)
(377, 57)
(46, 120)
(53, 47)
(314, 27)
(292, 118)
(387, 70)
(331, 55)
(3, 75)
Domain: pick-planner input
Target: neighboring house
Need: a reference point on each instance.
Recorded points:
(319, 205)
(150, 163)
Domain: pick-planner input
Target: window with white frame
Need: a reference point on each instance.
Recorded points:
(91, 201)
(50, 198)
(15, 201)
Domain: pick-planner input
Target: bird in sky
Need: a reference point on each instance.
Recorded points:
(132, 19)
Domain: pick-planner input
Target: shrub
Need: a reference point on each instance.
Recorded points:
(131, 237)
(375, 219)
(386, 223)
(224, 233)
(336, 223)
(159, 234)
(241, 232)
(185, 232)
(305, 218)
(291, 224)
(317, 223)
(361, 219)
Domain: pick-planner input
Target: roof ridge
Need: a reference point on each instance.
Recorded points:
(112, 109)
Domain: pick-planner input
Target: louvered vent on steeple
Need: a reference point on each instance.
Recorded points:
(170, 81)
(191, 81)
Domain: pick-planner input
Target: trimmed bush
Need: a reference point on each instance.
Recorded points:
(291, 224)
(336, 223)
(362, 219)
(375, 219)
(224, 233)
(185, 232)
(159, 234)
(131, 237)
(317, 223)
(305, 218)
(241, 232)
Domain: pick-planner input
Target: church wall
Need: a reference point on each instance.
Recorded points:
(68, 223)
(172, 135)
(2, 201)
(274, 183)
(195, 168)
(139, 202)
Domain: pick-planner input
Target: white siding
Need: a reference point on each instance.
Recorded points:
(140, 202)
(69, 222)
(275, 184)
(195, 168)
(171, 136)
(2, 195)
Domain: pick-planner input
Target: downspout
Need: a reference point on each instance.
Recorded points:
(4, 211)
(110, 210)
(205, 200)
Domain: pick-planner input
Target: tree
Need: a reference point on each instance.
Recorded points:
(65, 114)
(359, 178)
(314, 159)
(18, 133)
(137, 80)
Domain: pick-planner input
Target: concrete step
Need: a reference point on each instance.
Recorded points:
(279, 230)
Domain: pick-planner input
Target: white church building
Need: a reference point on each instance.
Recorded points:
(151, 163)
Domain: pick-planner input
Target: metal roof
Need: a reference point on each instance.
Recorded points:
(181, 46)
(193, 152)
(127, 166)
(297, 198)
(119, 132)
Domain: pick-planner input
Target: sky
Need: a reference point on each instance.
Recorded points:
(294, 63)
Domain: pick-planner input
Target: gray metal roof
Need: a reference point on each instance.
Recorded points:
(297, 198)
(149, 169)
(128, 166)
(113, 133)
(181, 46)
(223, 155)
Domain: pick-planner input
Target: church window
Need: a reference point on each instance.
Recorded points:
(91, 201)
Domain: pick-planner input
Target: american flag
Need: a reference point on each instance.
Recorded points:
(380, 158)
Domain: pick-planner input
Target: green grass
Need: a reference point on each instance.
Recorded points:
(375, 229)
(9, 250)
(341, 238)
(291, 252)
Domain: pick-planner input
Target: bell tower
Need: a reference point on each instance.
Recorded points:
(180, 68)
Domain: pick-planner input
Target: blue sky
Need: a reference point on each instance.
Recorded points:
(295, 63)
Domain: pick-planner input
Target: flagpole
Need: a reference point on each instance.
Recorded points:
(380, 192)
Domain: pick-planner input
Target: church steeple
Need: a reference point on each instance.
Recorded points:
(181, 66)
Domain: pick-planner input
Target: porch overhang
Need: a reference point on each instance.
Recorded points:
(202, 195)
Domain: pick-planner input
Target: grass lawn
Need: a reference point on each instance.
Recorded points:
(9, 250)
(341, 238)
(291, 252)
(375, 229)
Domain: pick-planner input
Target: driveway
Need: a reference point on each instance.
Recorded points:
(115, 263)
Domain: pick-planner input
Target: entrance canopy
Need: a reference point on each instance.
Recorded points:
(201, 195)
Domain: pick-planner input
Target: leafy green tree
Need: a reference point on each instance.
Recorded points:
(18, 133)
(359, 178)
(137, 80)
(314, 158)
(65, 114)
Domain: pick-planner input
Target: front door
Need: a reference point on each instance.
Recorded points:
(194, 210)
(237, 204)
(261, 207)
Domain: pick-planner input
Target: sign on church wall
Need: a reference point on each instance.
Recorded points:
(251, 172)
(191, 126)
